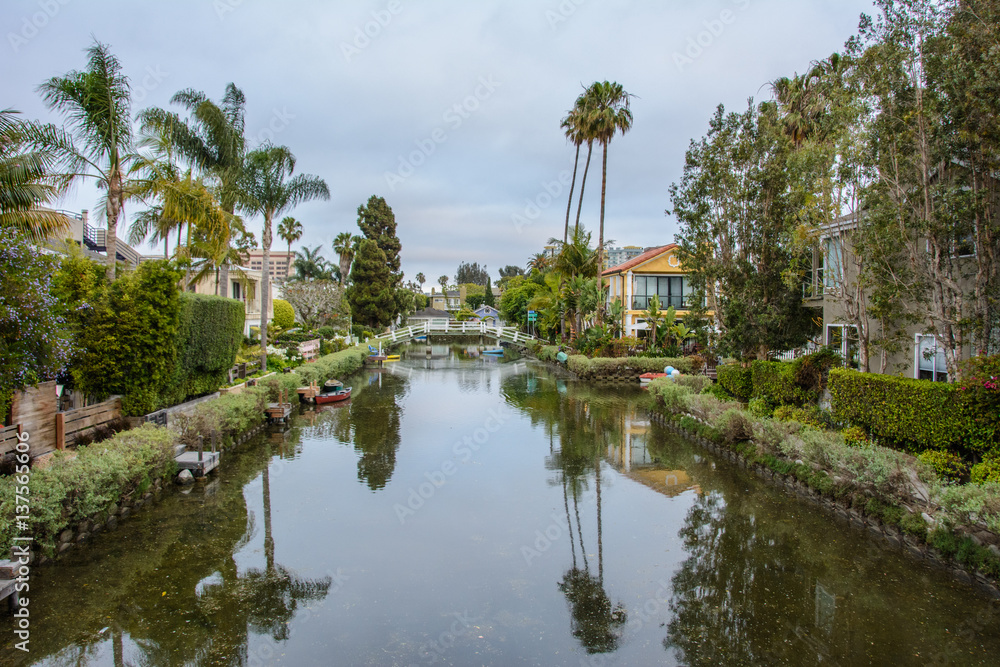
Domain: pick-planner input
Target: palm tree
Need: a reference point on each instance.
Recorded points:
(573, 126)
(212, 140)
(585, 133)
(290, 230)
(27, 181)
(421, 279)
(269, 189)
(345, 247)
(608, 113)
(310, 265)
(653, 318)
(538, 262)
(443, 282)
(99, 143)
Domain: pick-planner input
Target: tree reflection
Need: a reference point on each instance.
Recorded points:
(375, 418)
(584, 428)
(722, 594)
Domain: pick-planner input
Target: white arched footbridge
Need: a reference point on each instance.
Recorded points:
(444, 327)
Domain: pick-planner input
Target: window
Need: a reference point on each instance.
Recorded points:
(930, 362)
(670, 290)
(844, 339)
(237, 291)
(833, 250)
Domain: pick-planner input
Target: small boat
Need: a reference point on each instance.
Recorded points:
(392, 357)
(646, 378)
(498, 351)
(333, 396)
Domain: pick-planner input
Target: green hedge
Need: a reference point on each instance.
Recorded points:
(909, 414)
(737, 380)
(98, 477)
(607, 367)
(774, 381)
(209, 334)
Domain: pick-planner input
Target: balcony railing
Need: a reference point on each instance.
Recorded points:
(677, 302)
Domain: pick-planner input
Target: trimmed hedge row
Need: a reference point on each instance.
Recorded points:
(911, 414)
(608, 367)
(774, 381)
(210, 331)
(737, 380)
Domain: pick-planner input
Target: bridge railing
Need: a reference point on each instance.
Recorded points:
(453, 327)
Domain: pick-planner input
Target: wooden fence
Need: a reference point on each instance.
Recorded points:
(49, 429)
(74, 423)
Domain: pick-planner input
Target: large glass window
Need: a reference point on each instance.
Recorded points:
(931, 364)
(669, 289)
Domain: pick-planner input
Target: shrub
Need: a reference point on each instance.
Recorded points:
(327, 332)
(812, 416)
(284, 314)
(947, 465)
(74, 489)
(971, 503)
(210, 330)
(735, 426)
(760, 407)
(674, 397)
(812, 370)
(696, 383)
(855, 436)
(910, 414)
(697, 363)
(603, 367)
(774, 381)
(986, 472)
(715, 389)
(737, 380)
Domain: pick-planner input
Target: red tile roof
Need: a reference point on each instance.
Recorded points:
(641, 259)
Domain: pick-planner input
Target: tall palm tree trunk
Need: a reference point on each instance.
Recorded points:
(265, 286)
(288, 261)
(113, 209)
(600, 239)
(572, 188)
(583, 183)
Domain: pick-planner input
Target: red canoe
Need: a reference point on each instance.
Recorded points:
(333, 396)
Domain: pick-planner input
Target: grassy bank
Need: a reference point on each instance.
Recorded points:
(960, 522)
(88, 484)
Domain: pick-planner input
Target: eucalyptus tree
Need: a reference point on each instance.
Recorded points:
(269, 187)
(608, 113)
(98, 142)
(735, 207)
(290, 231)
(345, 245)
(28, 180)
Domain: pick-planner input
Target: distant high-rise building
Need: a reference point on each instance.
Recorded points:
(278, 263)
(617, 256)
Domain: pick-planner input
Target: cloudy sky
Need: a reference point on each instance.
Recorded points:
(450, 110)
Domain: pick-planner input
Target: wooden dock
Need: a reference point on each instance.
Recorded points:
(280, 411)
(199, 463)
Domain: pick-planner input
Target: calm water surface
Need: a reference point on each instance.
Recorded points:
(464, 511)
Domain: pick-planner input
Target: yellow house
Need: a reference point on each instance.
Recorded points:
(657, 272)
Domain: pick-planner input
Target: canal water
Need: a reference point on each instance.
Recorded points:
(464, 510)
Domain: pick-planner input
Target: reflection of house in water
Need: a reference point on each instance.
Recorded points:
(635, 461)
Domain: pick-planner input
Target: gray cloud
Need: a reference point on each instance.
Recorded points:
(351, 118)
